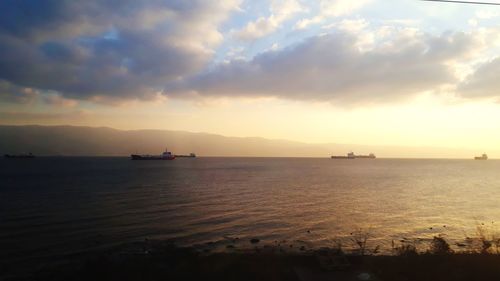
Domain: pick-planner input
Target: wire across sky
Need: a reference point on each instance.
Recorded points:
(464, 2)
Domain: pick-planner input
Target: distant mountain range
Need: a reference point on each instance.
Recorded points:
(90, 141)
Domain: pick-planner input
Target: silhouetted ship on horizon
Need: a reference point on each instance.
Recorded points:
(482, 157)
(166, 155)
(351, 155)
(190, 155)
(29, 155)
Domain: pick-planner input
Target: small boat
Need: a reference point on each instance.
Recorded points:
(166, 155)
(482, 157)
(29, 155)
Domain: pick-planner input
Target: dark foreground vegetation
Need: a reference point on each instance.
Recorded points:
(163, 261)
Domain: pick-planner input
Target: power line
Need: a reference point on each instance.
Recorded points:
(464, 2)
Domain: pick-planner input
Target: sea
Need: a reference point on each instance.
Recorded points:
(54, 207)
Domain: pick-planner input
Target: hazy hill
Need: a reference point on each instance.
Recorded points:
(88, 141)
(70, 140)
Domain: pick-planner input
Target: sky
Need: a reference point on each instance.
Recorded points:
(379, 72)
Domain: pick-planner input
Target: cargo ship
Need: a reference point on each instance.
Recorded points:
(482, 157)
(29, 155)
(166, 155)
(351, 155)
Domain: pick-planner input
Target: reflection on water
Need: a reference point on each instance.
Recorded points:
(57, 206)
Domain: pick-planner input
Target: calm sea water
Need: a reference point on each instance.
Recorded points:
(58, 206)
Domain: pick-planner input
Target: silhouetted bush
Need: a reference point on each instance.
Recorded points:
(488, 238)
(404, 249)
(360, 240)
(439, 246)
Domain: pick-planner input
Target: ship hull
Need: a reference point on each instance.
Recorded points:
(482, 157)
(342, 157)
(19, 156)
(354, 157)
(151, 157)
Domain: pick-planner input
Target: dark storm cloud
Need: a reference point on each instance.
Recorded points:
(118, 49)
(332, 68)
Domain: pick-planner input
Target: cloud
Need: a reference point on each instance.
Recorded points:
(59, 101)
(480, 76)
(483, 83)
(59, 52)
(281, 10)
(15, 94)
(124, 49)
(331, 8)
(10, 93)
(349, 25)
(332, 68)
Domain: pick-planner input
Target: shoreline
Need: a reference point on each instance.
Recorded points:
(163, 260)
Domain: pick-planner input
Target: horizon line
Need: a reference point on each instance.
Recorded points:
(243, 156)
